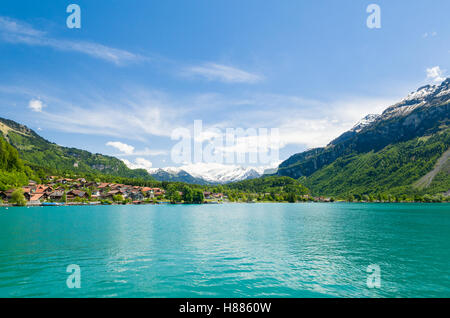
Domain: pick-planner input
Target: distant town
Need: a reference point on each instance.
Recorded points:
(66, 191)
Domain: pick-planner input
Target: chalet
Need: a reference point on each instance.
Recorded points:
(64, 180)
(56, 195)
(207, 195)
(104, 185)
(35, 198)
(28, 189)
(145, 190)
(27, 195)
(212, 196)
(136, 195)
(40, 188)
(8, 193)
(73, 194)
(158, 191)
(111, 194)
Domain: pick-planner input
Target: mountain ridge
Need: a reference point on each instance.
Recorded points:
(422, 113)
(36, 150)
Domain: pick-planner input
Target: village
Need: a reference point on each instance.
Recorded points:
(66, 191)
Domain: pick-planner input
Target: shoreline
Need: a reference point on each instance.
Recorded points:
(205, 203)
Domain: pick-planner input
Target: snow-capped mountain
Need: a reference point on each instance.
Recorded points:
(421, 113)
(208, 173)
(425, 96)
(366, 121)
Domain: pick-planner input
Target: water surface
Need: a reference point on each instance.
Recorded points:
(229, 250)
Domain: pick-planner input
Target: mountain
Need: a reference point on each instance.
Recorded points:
(206, 173)
(387, 152)
(36, 151)
(175, 175)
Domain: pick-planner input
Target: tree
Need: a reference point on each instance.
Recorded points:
(198, 196)
(188, 195)
(18, 198)
(118, 198)
(291, 197)
(172, 193)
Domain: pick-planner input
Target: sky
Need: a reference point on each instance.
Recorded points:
(136, 71)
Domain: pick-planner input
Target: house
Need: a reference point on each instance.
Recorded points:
(73, 194)
(64, 180)
(40, 188)
(8, 193)
(35, 198)
(207, 194)
(110, 194)
(91, 184)
(212, 196)
(158, 191)
(3, 196)
(103, 186)
(56, 195)
(136, 195)
(218, 196)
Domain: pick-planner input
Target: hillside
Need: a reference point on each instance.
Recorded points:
(37, 151)
(12, 170)
(387, 152)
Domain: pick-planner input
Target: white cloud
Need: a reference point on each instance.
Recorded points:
(140, 163)
(14, 31)
(35, 105)
(435, 74)
(133, 114)
(222, 73)
(149, 152)
(126, 149)
(138, 114)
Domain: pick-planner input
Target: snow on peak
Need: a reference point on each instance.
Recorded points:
(216, 172)
(421, 93)
(366, 121)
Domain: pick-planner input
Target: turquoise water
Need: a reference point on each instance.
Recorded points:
(229, 250)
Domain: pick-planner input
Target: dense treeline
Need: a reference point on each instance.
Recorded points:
(42, 153)
(13, 172)
(268, 188)
(393, 170)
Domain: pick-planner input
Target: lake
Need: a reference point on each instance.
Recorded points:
(227, 250)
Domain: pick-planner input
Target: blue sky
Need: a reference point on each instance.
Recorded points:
(136, 71)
